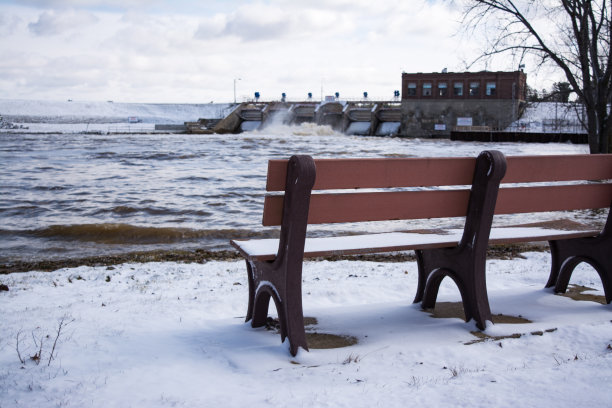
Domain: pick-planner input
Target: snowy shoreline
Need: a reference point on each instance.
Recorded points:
(172, 334)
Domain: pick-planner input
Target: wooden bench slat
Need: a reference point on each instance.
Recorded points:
(553, 198)
(380, 173)
(530, 169)
(425, 172)
(408, 205)
(375, 206)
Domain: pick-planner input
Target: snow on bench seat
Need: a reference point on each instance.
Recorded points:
(265, 249)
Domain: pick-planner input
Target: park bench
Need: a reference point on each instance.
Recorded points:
(422, 188)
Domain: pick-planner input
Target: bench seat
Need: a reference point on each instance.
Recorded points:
(266, 249)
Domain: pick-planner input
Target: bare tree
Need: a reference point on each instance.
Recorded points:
(573, 35)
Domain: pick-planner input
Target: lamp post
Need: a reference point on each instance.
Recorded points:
(235, 79)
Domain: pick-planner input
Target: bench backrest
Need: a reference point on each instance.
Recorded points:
(413, 173)
(556, 196)
(356, 174)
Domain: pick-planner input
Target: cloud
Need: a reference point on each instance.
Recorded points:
(89, 4)
(211, 27)
(258, 22)
(9, 24)
(189, 50)
(277, 21)
(349, 20)
(158, 36)
(55, 23)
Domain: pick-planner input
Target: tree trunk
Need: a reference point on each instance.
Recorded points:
(607, 135)
(593, 132)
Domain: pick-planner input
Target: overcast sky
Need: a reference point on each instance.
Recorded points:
(194, 51)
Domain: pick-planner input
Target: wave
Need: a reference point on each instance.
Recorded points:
(303, 129)
(128, 210)
(126, 234)
(162, 156)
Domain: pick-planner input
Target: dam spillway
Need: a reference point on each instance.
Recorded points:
(367, 118)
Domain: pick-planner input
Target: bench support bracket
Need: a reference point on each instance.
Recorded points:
(281, 279)
(569, 253)
(465, 264)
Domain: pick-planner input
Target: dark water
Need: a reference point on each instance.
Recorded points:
(74, 195)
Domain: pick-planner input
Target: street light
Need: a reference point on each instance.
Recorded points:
(235, 79)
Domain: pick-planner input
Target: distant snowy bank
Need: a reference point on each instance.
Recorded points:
(73, 112)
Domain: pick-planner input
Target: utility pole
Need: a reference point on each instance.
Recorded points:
(235, 79)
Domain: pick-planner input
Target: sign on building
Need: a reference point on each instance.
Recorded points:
(464, 121)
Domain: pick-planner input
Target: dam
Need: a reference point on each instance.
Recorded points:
(367, 118)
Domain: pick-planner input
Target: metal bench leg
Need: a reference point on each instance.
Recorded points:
(556, 262)
(466, 263)
(281, 279)
(594, 251)
(422, 276)
(267, 282)
(569, 253)
(467, 271)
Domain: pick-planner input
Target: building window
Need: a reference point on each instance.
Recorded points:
(412, 87)
(458, 89)
(491, 89)
(442, 89)
(474, 88)
(427, 89)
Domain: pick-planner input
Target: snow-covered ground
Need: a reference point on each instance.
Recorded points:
(173, 335)
(555, 117)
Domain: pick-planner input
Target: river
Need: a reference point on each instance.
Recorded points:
(74, 195)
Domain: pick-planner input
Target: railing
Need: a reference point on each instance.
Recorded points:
(369, 99)
(135, 128)
(546, 127)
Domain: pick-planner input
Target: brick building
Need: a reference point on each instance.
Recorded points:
(433, 104)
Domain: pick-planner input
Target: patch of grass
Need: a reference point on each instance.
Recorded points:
(561, 360)
(351, 358)
(482, 337)
(505, 251)
(456, 371)
(197, 256)
(576, 292)
(40, 344)
(329, 341)
(202, 256)
(447, 310)
(315, 339)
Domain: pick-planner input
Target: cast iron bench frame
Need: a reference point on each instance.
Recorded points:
(274, 266)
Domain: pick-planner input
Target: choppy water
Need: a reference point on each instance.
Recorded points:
(72, 195)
